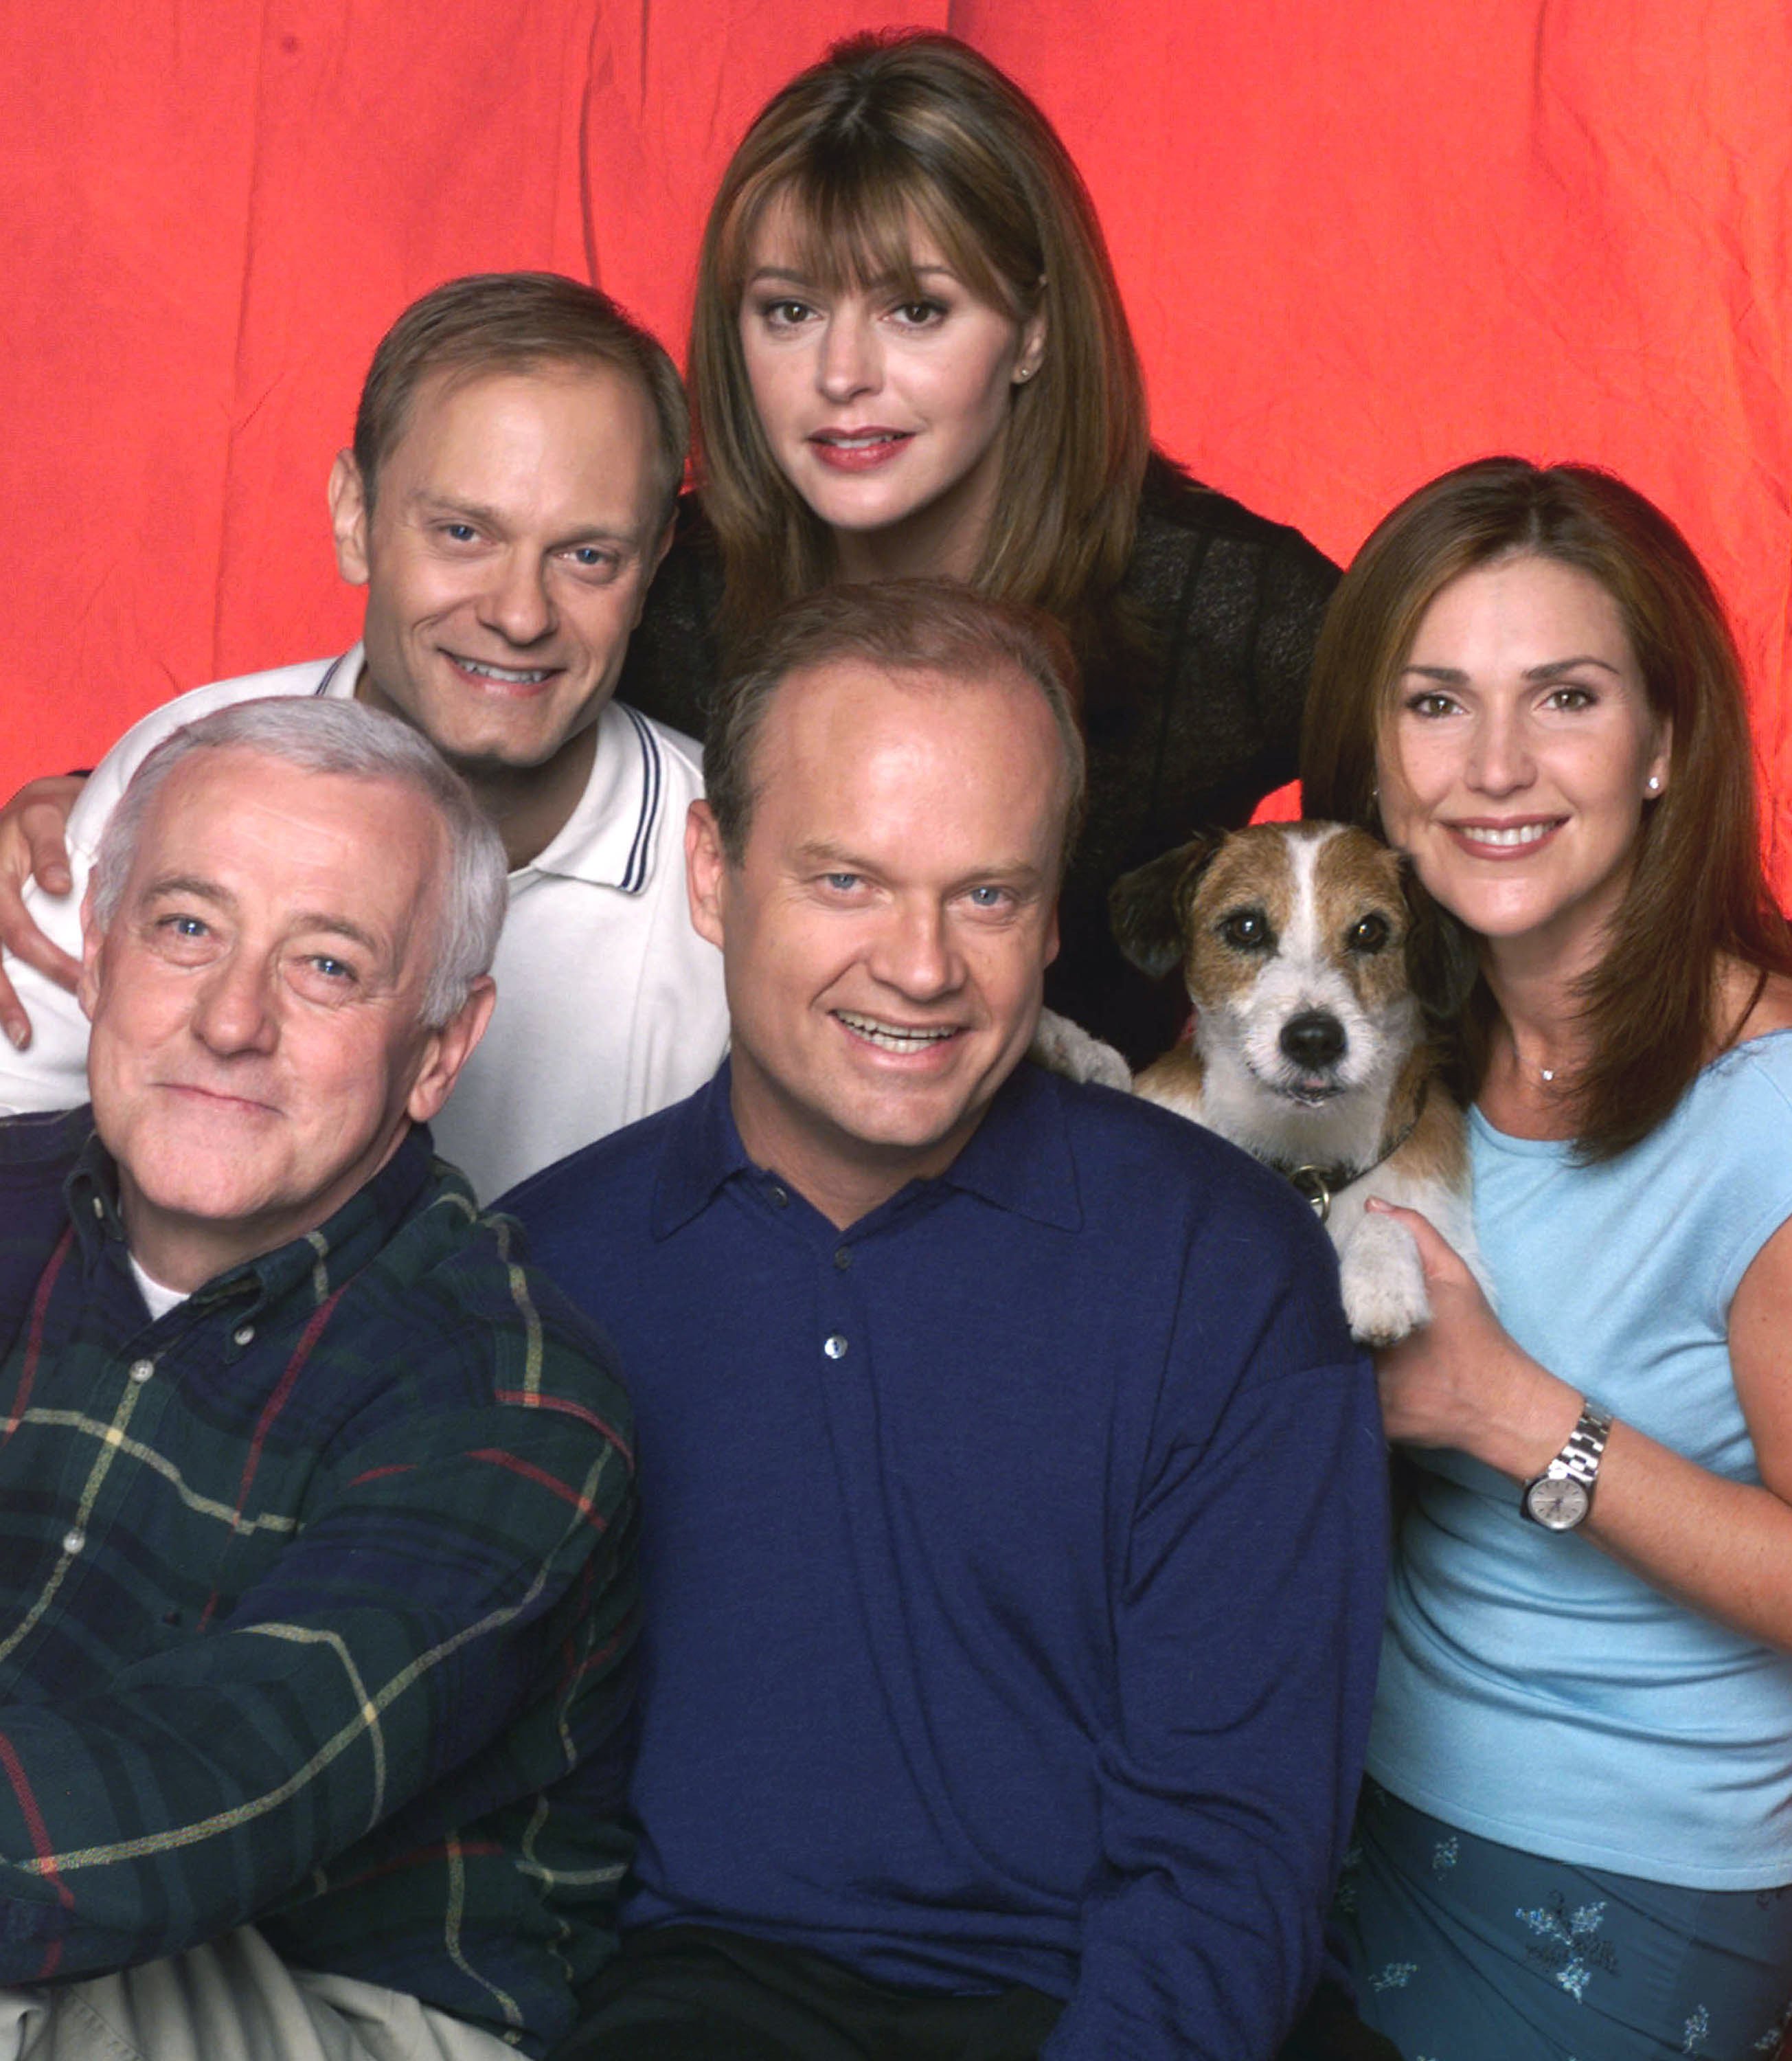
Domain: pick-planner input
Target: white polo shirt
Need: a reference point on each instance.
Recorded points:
(610, 1005)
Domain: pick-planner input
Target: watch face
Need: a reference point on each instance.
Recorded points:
(1557, 1505)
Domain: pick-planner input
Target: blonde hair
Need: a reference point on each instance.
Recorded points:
(888, 133)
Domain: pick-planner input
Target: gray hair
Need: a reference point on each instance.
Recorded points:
(358, 743)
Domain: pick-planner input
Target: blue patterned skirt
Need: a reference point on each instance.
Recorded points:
(1464, 1951)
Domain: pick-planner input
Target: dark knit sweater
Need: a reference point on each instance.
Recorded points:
(1226, 609)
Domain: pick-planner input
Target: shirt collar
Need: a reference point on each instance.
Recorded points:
(609, 838)
(320, 1261)
(341, 675)
(1019, 1158)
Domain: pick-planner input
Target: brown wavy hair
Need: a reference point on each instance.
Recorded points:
(1697, 893)
(888, 131)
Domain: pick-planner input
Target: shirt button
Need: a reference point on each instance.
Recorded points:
(140, 1370)
(99, 1207)
(779, 1199)
(244, 1334)
(835, 1347)
(73, 1541)
(842, 1259)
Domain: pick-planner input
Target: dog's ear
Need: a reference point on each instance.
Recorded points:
(1442, 963)
(1146, 907)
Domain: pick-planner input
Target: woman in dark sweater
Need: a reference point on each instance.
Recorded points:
(909, 356)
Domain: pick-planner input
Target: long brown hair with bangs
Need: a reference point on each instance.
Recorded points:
(1697, 893)
(889, 132)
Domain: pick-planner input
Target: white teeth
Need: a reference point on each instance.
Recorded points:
(1518, 834)
(859, 443)
(892, 1037)
(512, 676)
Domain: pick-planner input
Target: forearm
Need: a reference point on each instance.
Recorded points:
(1721, 1547)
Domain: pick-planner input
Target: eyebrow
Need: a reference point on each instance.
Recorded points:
(789, 275)
(197, 888)
(837, 859)
(424, 501)
(1451, 676)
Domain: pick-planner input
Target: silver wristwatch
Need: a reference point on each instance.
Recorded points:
(1561, 1496)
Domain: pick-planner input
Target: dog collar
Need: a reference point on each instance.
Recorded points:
(1320, 1184)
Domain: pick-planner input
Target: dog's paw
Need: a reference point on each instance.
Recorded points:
(1064, 1047)
(1383, 1282)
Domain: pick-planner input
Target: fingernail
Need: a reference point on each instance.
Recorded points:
(18, 1033)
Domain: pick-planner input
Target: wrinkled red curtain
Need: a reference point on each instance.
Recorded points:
(1361, 240)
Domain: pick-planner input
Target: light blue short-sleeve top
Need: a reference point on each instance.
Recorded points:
(1532, 1690)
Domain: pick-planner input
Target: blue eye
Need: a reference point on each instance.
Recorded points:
(841, 883)
(592, 559)
(989, 897)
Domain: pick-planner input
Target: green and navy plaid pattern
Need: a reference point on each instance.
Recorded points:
(317, 1597)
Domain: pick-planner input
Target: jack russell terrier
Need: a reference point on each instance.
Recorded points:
(1308, 1048)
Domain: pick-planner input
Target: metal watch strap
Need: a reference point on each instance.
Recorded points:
(1585, 1446)
(1579, 1460)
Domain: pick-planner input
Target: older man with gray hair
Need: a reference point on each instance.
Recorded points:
(316, 1542)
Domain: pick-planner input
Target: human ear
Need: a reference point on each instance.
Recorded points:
(705, 865)
(1654, 784)
(348, 519)
(449, 1049)
(1032, 352)
(86, 986)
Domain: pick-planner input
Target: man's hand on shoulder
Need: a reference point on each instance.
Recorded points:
(33, 845)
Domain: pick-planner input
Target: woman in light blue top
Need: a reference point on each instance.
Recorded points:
(1577, 1836)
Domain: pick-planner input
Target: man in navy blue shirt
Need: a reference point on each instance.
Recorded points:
(1014, 1496)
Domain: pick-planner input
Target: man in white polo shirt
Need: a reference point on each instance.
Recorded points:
(518, 451)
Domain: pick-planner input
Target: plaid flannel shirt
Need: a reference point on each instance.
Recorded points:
(316, 1598)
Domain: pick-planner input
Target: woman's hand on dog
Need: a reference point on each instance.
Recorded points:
(1461, 1380)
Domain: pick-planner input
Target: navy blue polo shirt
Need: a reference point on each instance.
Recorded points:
(1012, 1559)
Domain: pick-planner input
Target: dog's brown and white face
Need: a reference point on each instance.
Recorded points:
(1291, 939)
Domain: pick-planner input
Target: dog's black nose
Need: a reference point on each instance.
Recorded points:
(1314, 1040)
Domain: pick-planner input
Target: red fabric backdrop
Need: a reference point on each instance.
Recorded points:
(1361, 240)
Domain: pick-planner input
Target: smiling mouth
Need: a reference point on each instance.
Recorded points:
(849, 451)
(1509, 837)
(502, 676)
(220, 1098)
(894, 1037)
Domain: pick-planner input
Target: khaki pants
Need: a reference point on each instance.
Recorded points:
(233, 2000)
